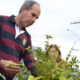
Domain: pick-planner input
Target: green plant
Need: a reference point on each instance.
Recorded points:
(48, 69)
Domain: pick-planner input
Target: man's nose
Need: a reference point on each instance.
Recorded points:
(34, 19)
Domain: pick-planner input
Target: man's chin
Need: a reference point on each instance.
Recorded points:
(27, 25)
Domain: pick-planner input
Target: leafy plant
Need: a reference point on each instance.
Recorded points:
(48, 69)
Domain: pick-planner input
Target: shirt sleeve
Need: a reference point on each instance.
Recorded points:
(28, 57)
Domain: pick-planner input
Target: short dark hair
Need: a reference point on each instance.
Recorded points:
(28, 4)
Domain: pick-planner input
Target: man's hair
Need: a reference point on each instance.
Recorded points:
(28, 4)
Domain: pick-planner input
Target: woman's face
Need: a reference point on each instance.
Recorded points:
(52, 51)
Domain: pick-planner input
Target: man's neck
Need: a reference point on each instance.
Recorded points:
(17, 22)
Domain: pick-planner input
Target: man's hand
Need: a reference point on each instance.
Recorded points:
(9, 66)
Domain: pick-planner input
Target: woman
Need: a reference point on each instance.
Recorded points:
(54, 52)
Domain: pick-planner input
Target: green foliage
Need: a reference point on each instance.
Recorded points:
(33, 78)
(62, 78)
(48, 69)
(23, 74)
(48, 37)
(2, 76)
(51, 70)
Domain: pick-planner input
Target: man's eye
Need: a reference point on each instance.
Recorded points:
(34, 15)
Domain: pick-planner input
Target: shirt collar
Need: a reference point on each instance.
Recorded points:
(12, 20)
(17, 31)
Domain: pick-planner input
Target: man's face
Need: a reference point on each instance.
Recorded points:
(28, 17)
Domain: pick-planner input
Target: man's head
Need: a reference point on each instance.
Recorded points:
(28, 14)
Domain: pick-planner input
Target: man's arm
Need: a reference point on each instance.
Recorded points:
(29, 59)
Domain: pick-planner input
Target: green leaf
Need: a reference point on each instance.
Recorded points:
(62, 78)
(20, 77)
(2, 76)
(71, 78)
(31, 77)
(37, 78)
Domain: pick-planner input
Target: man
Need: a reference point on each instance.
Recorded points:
(15, 40)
